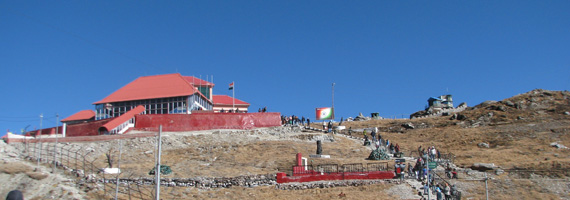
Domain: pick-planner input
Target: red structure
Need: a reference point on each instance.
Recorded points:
(304, 173)
(207, 121)
(317, 176)
(179, 103)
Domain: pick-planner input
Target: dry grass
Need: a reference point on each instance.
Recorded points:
(268, 192)
(518, 138)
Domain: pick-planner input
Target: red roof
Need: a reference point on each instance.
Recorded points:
(123, 118)
(197, 82)
(152, 87)
(227, 100)
(81, 115)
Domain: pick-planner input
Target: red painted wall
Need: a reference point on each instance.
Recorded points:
(206, 121)
(283, 178)
(85, 129)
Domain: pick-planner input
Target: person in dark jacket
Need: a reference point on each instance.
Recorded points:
(15, 195)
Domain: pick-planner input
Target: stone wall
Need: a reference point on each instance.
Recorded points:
(460, 108)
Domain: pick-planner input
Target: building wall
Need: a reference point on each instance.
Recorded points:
(85, 129)
(207, 121)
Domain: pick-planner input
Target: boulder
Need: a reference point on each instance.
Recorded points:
(461, 117)
(499, 171)
(509, 103)
(560, 146)
(483, 166)
(454, 116)
(486, 103)
(408, 125)
(483, 145)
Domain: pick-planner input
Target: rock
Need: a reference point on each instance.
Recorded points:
(509, 103)
(486, 103)
(454, 116)
(37, 175)
(483, 145)
(408, 125)
(483, 166)
(461, 117)
(555, 144)
(499, 171)
(501, 108)
(148, 152)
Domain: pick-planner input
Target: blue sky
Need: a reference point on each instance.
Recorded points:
(384, 56)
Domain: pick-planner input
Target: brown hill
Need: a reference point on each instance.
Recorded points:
(518, 130)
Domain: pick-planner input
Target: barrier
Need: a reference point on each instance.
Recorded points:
(206, 121)
(331, 172)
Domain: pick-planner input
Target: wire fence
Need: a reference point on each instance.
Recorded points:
(80, 163)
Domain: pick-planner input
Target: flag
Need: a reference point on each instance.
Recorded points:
(231, 86)
(325, 113)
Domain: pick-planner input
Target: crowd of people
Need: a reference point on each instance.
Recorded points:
(295, 120)
(420, 169)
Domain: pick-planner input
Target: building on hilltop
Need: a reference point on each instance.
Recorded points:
(80, 117)
(161, 94)
(443, 101)
(225, 103)
(439, 106)
(180, 103)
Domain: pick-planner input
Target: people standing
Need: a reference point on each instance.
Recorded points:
(447, 192)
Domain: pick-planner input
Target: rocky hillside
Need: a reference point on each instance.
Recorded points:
(522, 139)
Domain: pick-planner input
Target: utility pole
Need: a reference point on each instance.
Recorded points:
(333, 99)
(427, 182)
(486, 189)
(119, 170)
(40, 139)
(157, 168)
(55, 146)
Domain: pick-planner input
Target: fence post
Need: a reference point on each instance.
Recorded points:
(67, 157)
(76, 166)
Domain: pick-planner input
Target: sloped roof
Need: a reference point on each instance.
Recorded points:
(81, 115)
(123, 118)
(227, 100)
(197, 82)
(152, 87)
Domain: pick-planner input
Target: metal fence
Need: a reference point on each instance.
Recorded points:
(77, 162)
(334, 168)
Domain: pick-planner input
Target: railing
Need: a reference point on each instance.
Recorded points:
(123, 127)
(333, 168)
(75, 161)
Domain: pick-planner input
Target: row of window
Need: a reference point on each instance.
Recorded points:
(171, 105)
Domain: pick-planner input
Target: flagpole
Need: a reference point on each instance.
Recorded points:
(233, 96)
